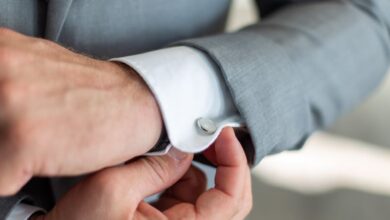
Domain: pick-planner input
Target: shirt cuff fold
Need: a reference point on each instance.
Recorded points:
(194, 101)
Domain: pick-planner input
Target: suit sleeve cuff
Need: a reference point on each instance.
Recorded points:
(194, 101)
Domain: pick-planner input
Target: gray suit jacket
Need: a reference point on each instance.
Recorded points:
(306, 63)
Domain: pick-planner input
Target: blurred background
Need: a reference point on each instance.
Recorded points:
(341, 174)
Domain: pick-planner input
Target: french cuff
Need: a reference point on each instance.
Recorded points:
(194, 101)
(23, 211)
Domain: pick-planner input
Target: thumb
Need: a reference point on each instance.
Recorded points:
(151, 175)
(117, 191)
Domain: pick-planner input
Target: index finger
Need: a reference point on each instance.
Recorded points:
(232, 192)
(231, 162)
(225, 200)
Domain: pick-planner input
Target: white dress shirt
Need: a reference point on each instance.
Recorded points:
(194, 101)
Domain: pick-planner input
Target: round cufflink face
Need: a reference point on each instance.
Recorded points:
(206, 126)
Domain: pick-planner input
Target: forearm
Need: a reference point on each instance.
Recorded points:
(301, 68)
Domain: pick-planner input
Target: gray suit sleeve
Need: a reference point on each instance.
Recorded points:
(301, 67)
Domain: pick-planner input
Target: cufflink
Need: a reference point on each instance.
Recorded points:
(206, 126)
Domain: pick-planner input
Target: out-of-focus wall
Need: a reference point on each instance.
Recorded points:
(242, 13)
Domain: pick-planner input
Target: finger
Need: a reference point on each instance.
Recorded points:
(247, 200)
(116, 192)
(231, 163)
(6, 34)
(150, 175)
(186, 190)
(209, 153)
(223, 201)
(230, 180)
(15, 171)
(146, 211)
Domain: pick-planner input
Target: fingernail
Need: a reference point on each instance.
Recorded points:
(177, 154)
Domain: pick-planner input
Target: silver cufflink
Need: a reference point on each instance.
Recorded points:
(206, 126)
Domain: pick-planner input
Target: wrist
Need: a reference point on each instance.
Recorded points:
(145, 117)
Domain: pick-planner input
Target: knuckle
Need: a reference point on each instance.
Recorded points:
(39, 43)
(47, 165)
(160, 172)
(43, 44)
(18, 136)
(12, 93)
(7, 57)
(25, 171)
(49, 43)
(106, 184)
(111, 187)
(18, 173)
(5, 31)
(13, 186)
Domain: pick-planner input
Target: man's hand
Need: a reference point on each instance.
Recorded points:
(63, 113)
(118, 192)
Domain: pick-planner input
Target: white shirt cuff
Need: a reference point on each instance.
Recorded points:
(187, 86)
(23, 212)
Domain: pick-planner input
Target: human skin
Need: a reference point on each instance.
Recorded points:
(118, 192)
(63, 113)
